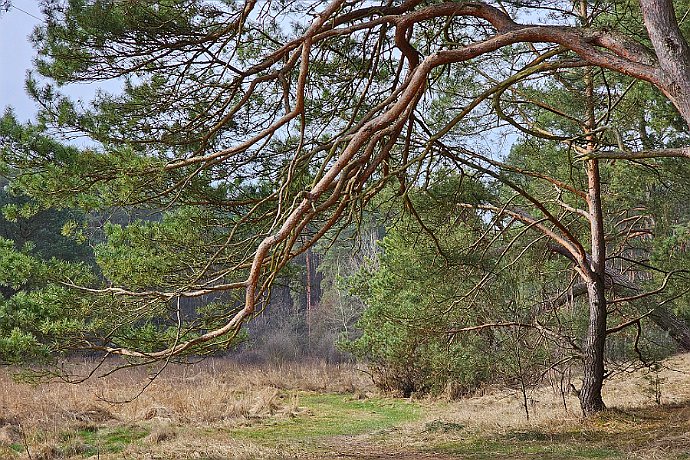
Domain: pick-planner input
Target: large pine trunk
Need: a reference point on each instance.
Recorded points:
(673, 53)
(593, 272)
(593, 350)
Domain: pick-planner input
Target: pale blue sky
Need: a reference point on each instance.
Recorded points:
(16, 55)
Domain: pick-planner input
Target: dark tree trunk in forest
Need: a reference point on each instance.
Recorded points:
(308, 292)
(676, 328)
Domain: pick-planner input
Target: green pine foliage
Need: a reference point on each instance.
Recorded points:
(39, 315)
(406, 331)
(424, 288)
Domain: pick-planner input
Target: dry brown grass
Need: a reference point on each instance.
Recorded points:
(210, 391)
(192, 412)
(498, 409)
(213, 393)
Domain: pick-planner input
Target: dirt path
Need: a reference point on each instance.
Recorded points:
(391, 455)
(369, 452)
(362, 447)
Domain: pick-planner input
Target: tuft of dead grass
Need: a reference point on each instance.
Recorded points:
(161, 432)
(10, 434)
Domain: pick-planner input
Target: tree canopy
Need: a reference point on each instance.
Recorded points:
(257, 128)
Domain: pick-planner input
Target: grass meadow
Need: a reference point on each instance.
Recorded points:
(218, 409)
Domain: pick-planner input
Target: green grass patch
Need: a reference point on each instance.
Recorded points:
(92, 441)
(330, 415)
